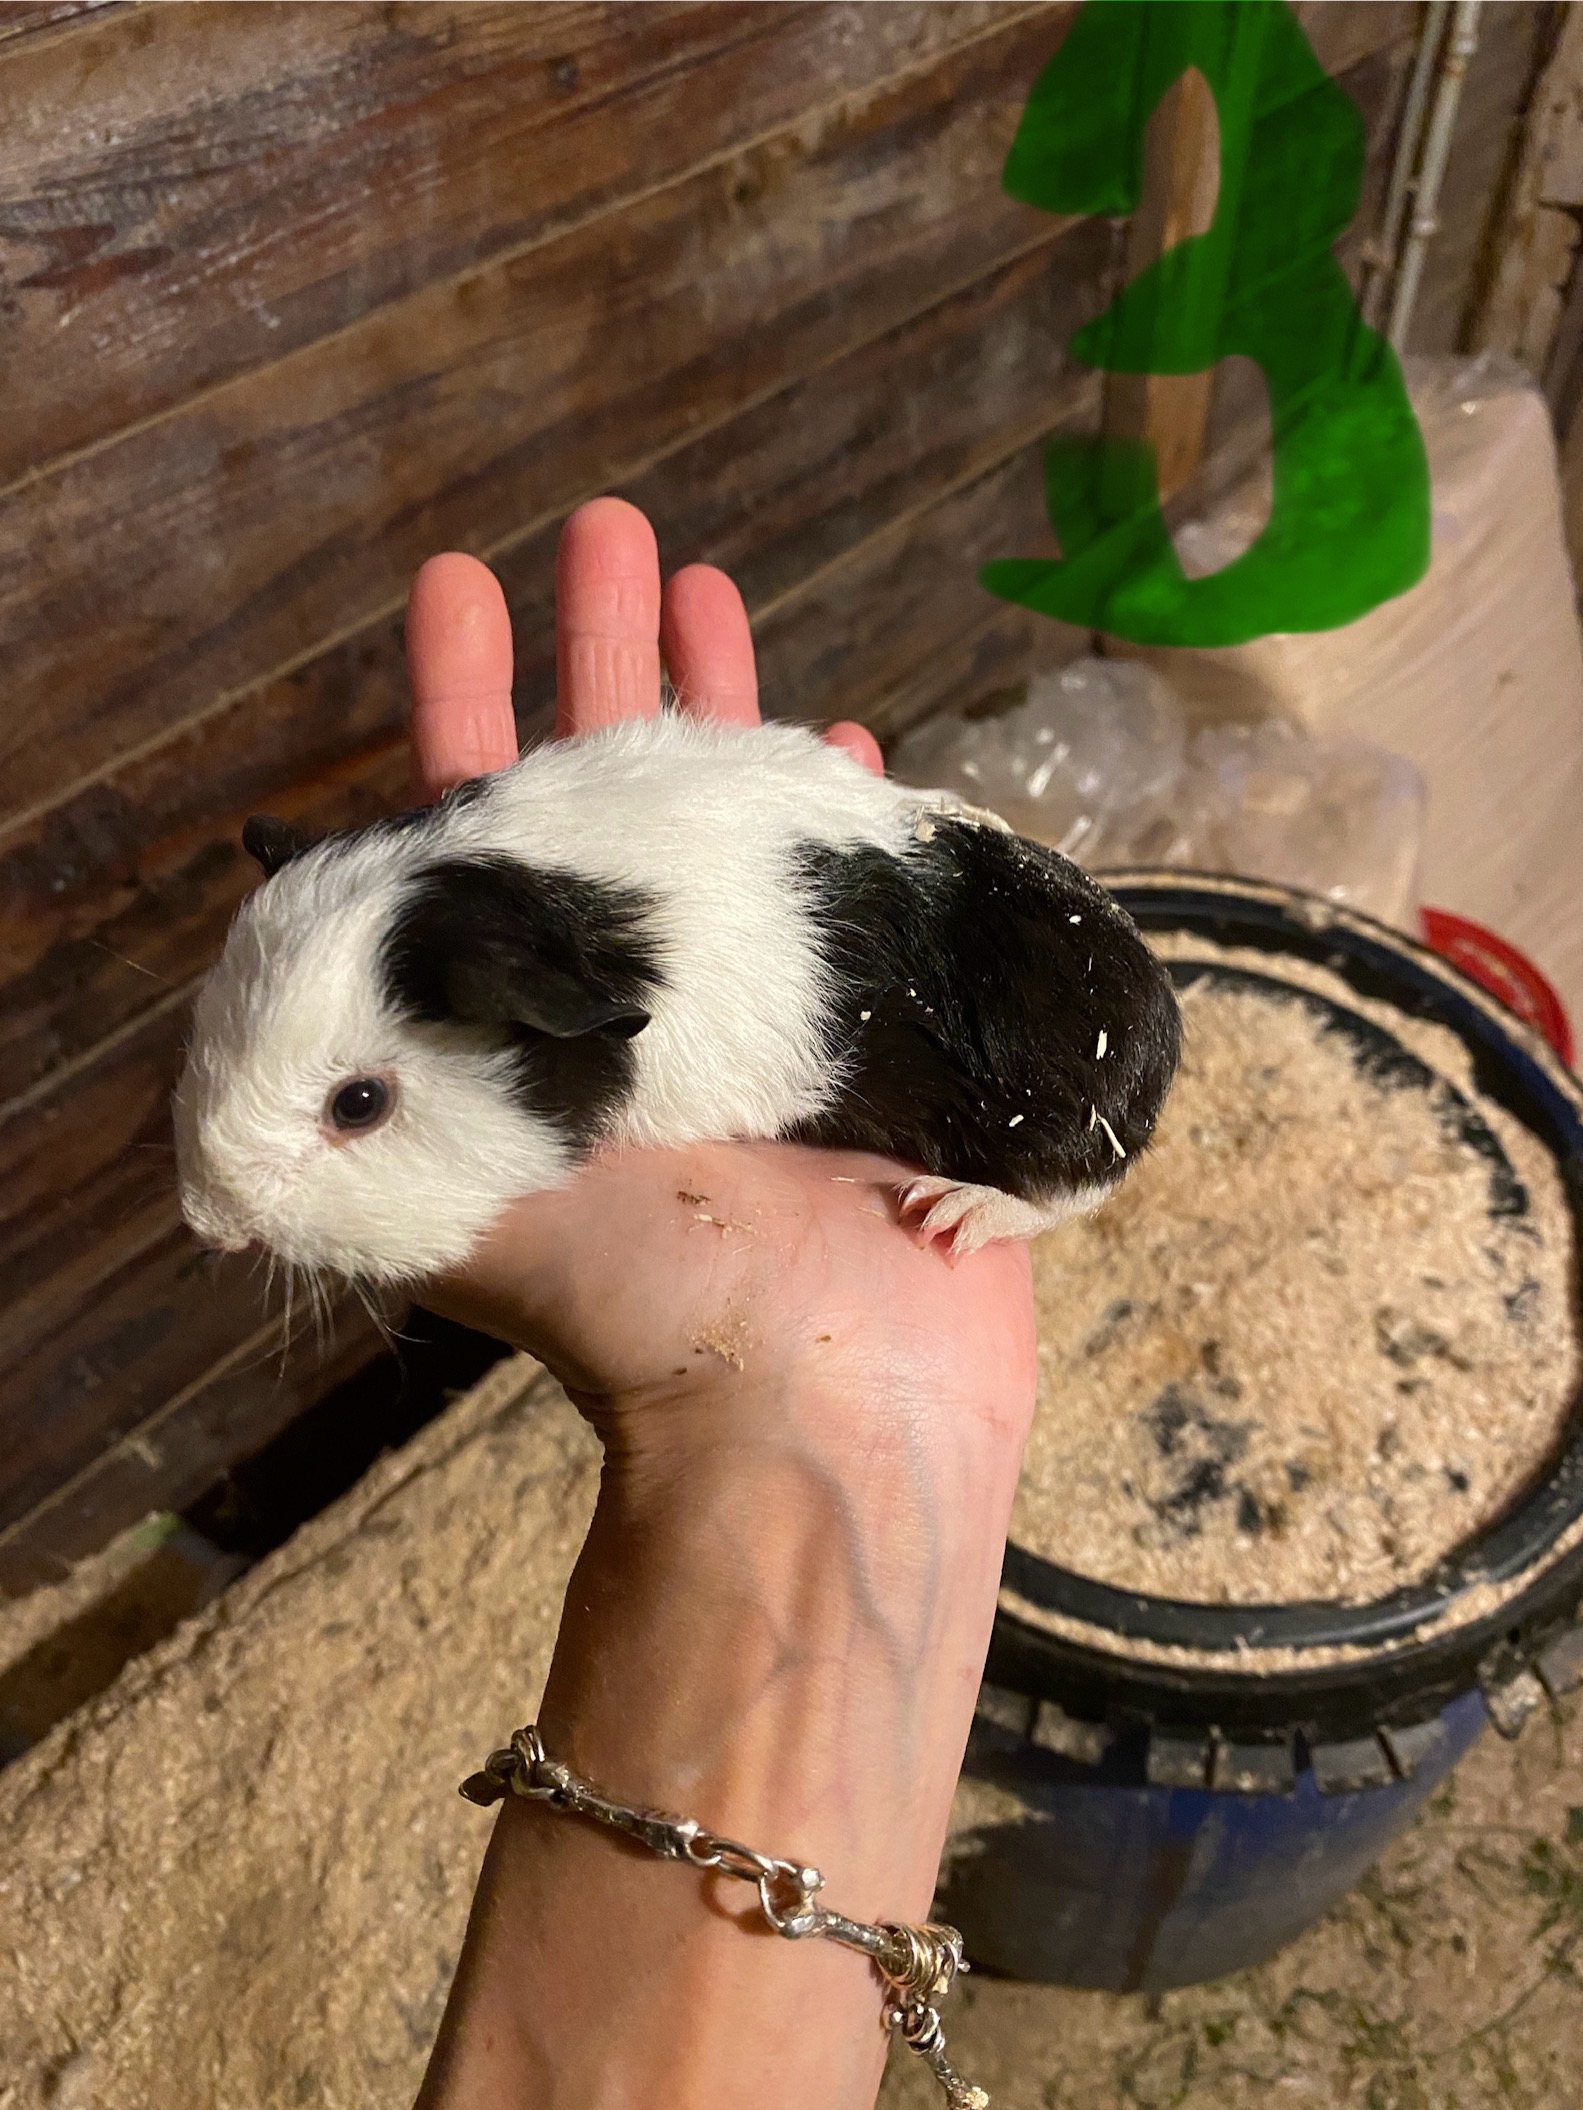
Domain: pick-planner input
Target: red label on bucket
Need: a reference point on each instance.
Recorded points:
(1506, 973)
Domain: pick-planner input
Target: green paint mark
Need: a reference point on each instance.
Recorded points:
(1349, 522)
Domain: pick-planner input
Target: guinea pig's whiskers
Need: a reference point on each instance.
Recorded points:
(136, 965)
(321, 1304)
(382, 1325)
(288, 1305)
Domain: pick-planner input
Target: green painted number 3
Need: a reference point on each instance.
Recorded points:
(1349, 522)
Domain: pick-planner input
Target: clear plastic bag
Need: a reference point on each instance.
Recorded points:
(1096, 760)
(1088, 749)
(1339, 817)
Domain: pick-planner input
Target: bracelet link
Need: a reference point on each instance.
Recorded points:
(918, 1964)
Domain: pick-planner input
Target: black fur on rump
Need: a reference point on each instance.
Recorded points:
(561, 968)
(974, 977)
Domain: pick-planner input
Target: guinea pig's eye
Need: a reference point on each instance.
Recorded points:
(362, 1102)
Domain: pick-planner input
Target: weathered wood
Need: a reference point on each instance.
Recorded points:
(824, 360)
(178, 1452)
(29, 21)
(982, 669)
(1181, 183)
(245, 529)
(1536, 244)
(1485, 146)
(1343, 32)
(279, 173)
(109, 900)
(144, 866)
(96, 1372)
(861, 630)
(1238, 426)
(87, 1178)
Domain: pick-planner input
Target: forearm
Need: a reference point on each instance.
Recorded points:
(776, 1627)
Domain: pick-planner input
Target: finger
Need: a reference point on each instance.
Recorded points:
(708, 647)
(607, 618)
(858, 742)
(459, 671)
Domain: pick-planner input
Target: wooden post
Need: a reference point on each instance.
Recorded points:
(1181, 181)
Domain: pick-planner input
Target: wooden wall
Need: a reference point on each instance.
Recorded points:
(292, 296)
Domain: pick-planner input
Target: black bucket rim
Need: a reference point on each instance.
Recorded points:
(1513, 1067)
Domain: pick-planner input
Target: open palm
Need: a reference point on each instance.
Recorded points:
(662, 1280)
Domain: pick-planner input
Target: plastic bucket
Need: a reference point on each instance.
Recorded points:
(1181, 1817)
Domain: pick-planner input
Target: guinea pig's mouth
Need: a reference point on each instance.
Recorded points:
(221, 1230)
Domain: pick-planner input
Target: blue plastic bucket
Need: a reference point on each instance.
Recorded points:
(1110, 1882)
(1230, 1809)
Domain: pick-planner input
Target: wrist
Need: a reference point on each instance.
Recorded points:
(779, 1619)
(776, 1627)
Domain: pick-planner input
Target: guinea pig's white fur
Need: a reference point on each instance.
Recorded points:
(295, 1005)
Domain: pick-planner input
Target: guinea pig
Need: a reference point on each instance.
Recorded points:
(663, 933)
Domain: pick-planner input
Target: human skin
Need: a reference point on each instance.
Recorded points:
(812, 1428)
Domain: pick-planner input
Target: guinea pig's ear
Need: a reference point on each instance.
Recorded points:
(495, 990)
(271, 843)
(488, 941)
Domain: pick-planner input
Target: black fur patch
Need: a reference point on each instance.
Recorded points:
(562, 968)
(975, 977)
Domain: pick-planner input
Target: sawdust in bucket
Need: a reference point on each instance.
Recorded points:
(1327, 1330)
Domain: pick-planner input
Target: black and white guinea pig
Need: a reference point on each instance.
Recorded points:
(661, 934)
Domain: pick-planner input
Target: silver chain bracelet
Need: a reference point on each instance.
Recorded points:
(917, 1964)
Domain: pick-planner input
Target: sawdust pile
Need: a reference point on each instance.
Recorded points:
(1325, 1332)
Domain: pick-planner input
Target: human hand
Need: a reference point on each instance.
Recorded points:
(813, 1427)
(660, 1274)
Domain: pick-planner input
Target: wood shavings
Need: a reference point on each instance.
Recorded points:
(726, 1337)
(1101, 1045)
(1297, 1357)
(1110, 1134)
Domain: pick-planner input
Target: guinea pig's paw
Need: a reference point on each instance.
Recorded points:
(964, 1217)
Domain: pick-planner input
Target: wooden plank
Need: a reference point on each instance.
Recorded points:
(179, 1452)
(88, 1179)
(859, 632)
(277, 173)
(982, 668)
(249, 528)
(109, 902)
(30, 21)
(1486, 145)
(1535, 246)
(1181, 183)
(1343, 32)
(96, 1372)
